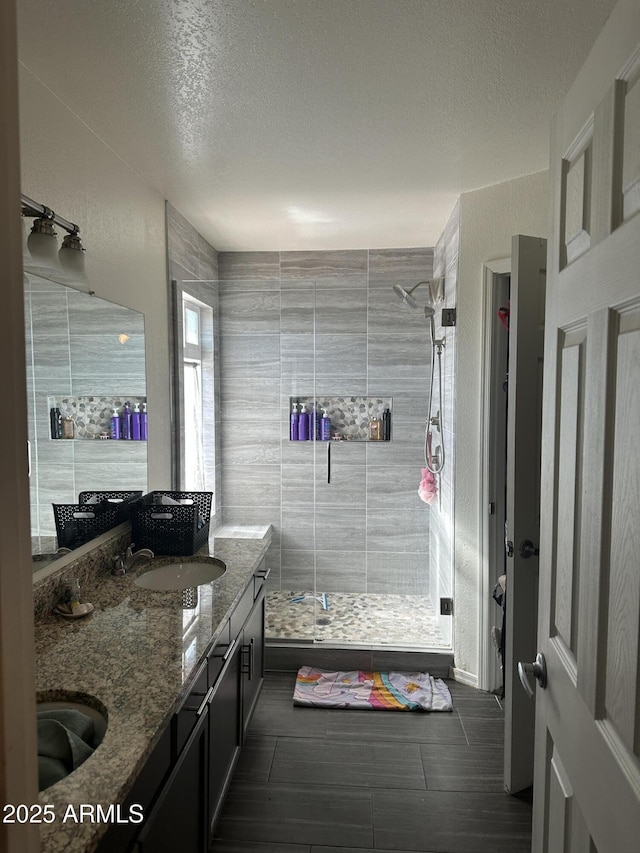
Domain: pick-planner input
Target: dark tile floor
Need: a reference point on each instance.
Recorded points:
(336, 781)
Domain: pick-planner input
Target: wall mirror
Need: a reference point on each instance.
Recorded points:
(85, 356)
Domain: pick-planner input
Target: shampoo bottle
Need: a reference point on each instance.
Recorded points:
(68, 427)
(325, 426)
(294, 423)
(386, 425)
(303, 425)
(135, 423)
(56, 423)
(143, 423)
(125, 421)
(312, 422)
(115, 425)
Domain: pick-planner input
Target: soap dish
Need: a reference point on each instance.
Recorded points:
(77, 612)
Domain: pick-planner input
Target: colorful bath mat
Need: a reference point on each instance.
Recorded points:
(374, 691)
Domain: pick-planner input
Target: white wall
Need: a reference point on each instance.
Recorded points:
(488, 219)
(122, 222)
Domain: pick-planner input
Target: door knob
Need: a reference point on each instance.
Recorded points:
(539, 671)
(528, 549)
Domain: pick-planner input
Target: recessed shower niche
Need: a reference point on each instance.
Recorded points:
(351, 418)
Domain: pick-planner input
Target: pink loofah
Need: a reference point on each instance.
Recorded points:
(428, 488)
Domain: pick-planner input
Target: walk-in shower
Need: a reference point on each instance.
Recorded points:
(434, 459)
(356, 558)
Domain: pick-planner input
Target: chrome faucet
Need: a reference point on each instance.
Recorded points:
(123, 562)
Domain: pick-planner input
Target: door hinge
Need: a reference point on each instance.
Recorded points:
(446, 606)
(492, 507)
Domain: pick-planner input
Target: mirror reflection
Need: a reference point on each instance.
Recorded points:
(85, 362)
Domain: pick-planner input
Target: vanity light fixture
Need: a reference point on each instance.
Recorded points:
(40, 251)
(42, 243)
(71, 256)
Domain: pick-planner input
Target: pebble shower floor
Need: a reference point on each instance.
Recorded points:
(390, 620)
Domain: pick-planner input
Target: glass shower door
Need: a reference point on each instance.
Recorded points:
(340, 369)
(292, 608)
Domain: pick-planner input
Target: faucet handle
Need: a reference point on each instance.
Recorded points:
(118, 566)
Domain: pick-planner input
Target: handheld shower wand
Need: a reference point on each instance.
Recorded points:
(433, 461)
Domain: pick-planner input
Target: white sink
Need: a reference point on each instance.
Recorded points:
(182, 574)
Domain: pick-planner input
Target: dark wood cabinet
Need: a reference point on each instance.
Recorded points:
(178, 820)
(225, 735)
(186, 778)
(236, 690)
(252, 669)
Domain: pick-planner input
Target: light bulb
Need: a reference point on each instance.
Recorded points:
(43, 245)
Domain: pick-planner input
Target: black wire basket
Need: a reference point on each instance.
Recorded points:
(81, 522)
(121, 500)
(178, 527)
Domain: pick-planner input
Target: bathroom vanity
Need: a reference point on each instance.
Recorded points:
(178, 685)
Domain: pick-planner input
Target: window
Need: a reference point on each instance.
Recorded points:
(194, 457)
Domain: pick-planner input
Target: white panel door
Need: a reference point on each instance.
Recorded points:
(587, 760)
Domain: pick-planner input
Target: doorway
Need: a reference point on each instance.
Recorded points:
(495, 367)
(512, 370)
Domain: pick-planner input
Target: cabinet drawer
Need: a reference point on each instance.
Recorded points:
(186, 717)
(219, 654)
(260, 578)
(243, 609)
(253, 590)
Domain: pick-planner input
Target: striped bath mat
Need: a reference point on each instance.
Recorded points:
(375, 691)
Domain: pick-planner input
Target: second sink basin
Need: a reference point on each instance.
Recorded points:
(182, 574)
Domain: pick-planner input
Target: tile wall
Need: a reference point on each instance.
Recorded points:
(329, 324)
(302, 323)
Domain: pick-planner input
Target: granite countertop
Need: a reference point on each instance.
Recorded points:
(134, 656)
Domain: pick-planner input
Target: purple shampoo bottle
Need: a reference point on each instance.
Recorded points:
(303, 425)
(294, 423)
(136, 423)
(125, 421)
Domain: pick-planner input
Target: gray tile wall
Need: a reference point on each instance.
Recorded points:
(326, 323)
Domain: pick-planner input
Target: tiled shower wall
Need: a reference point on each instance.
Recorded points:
(445, 263)
(298, 323)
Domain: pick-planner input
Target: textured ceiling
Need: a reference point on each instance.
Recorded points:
(314, 124)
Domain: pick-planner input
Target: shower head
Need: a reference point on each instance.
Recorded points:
(436, 292)
(405, 295)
